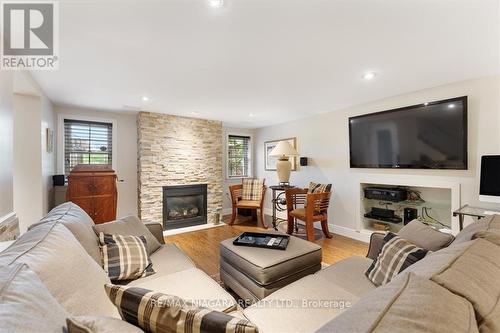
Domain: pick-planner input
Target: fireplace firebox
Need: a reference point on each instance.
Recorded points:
(184, 206)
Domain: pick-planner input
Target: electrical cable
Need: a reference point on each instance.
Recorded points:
(426, 214)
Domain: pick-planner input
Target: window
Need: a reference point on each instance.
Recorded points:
(238, 156)
(87, 142)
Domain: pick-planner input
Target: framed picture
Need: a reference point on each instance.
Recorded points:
(50, 140)
(270, 161)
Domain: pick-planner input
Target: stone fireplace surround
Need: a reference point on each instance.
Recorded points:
(173, 151)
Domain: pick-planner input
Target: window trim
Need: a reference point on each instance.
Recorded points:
(226, 152)
(61, 143)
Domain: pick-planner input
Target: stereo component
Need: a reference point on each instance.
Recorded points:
(393, 194)
(382, 214)
(410, 214)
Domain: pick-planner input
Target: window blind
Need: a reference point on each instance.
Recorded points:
(238, 156)
(87, 142)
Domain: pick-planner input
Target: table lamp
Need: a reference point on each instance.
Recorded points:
(283, 151)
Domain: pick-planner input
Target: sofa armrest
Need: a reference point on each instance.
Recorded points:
(157, 230)
(376, 244)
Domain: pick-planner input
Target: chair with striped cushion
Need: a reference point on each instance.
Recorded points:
(309, 205)
(249, 195)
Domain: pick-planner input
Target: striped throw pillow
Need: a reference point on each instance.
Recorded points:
(396, 255)
(158, 313)
(125, 257)
(252, 189)
(319, 188)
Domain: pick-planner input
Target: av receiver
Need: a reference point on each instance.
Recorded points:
(394, 194)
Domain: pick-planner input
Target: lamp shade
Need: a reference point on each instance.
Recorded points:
(283, 148)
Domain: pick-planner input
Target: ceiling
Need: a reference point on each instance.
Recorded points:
(254, 63)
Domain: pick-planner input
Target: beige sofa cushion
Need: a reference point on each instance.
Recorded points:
(349, 274)
(72, 277)
(95, 324)
(492, 222)
(25, 303)
(490, 236)
(435, 262)
(410, 304)
(424, 236)
(192, 285)
(129, 225)
(303, 306)
(166, 260)
(475, 276)
(79, 223)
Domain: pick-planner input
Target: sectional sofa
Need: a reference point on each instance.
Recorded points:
(62, 249)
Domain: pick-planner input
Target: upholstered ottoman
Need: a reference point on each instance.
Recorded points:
(254, 273)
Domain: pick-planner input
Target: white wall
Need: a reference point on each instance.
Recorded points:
(28, 195)
(226, 203)
(6, 144)
(325, 140)
(125, 150)
(33, 164)
(48, 120)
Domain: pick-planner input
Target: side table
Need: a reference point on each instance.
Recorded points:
(278, 202)
(477, 212)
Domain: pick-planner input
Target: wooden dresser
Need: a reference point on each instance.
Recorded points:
(93, 188)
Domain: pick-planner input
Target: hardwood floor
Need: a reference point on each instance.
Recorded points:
(203, 246)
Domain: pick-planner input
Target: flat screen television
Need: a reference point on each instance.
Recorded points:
(426, 136)
(489, 189)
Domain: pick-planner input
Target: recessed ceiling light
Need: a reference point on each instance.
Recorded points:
(195, 113)
(426, 103)
(451, 106)
(370, 75)
(251, 115)
(216, 3)
(145, 98)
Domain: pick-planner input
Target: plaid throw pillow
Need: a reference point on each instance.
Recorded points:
(319, 188)
(125, 257)
(158, 313)
(396, 255)
(252, 189)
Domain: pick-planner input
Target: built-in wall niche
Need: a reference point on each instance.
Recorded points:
(433, 205)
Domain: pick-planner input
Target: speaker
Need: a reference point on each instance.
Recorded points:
(58, 180)
(303, 161)
(409, 215)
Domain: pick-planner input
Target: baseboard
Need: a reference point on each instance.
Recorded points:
(350, 233)
(9, 227)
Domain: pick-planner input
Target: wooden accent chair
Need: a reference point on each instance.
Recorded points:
(308, 207)
(256, 205)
